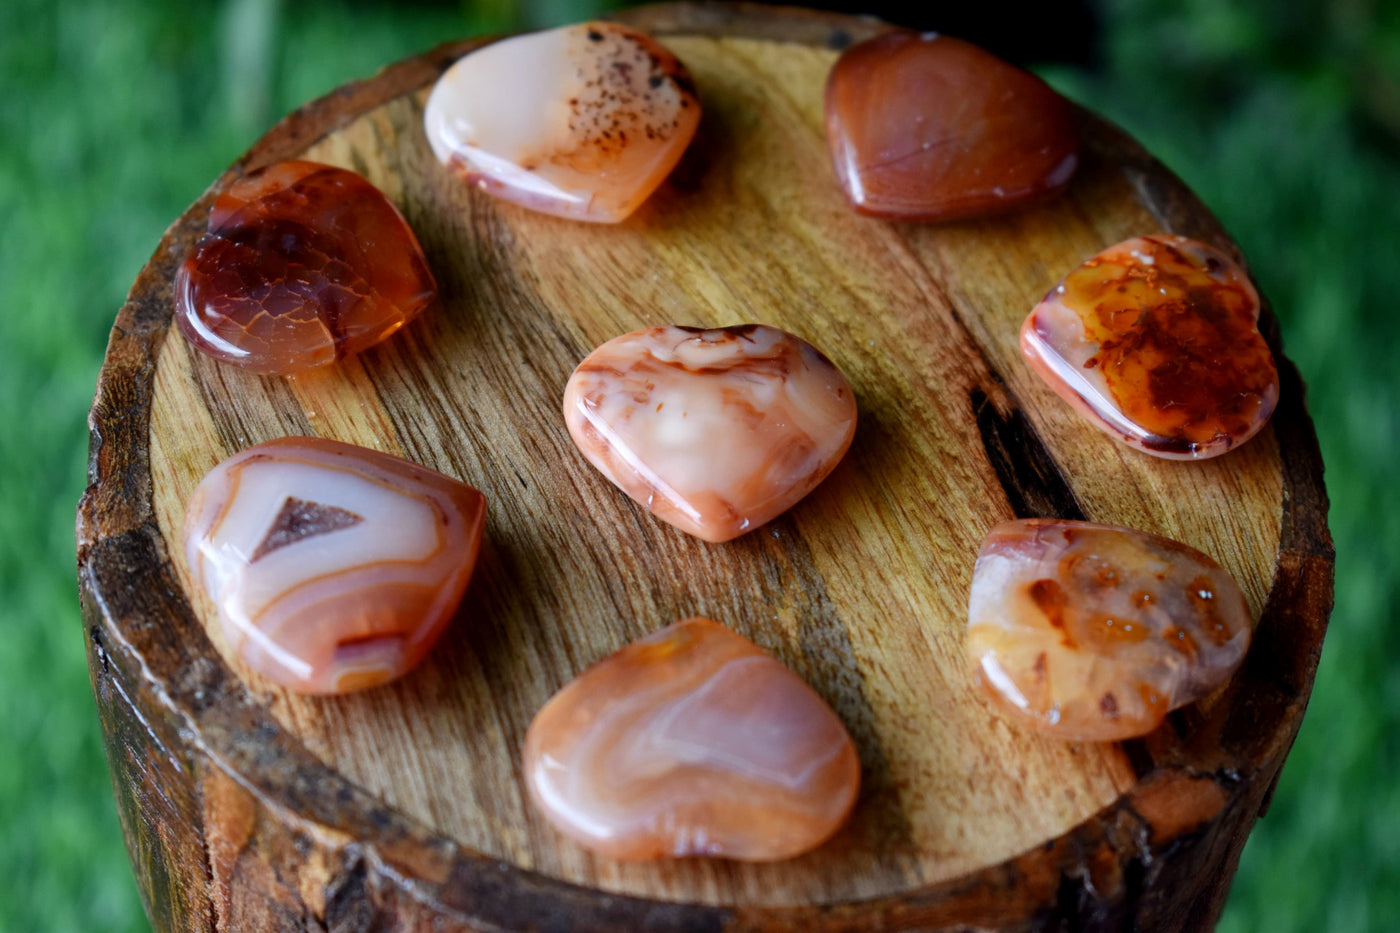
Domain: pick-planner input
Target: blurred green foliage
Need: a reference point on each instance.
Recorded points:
(1285, 117)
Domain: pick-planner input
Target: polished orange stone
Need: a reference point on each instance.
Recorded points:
(714, 431)
(928, 127)
(1156, 342)
(332, 567)
(691, 741)
(1094, 632)
(584, 121)
(303, 264)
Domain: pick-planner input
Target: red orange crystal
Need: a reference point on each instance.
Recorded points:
(928, 127)
(303, 264)
(715, 431)
(691, 741)
(1094, 632)
(332, 567)
(584, 121)
(1156, 342)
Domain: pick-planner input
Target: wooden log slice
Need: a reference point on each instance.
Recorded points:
(403, 808)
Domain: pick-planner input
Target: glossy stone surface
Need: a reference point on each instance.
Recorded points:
(1156, 342)
(333, 567)
(715, 431)
(928, 127)
(304, 264)
(691, 741)
(1094, 632)
(583, 121)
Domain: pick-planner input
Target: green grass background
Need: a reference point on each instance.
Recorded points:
(114, 116)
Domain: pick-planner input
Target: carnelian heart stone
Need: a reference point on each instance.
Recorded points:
(1094, 632)
(332, 567)
(927, 127)
(715, 431)
(583, 121)
(691, 741)
(303, 264)
(1156, 342)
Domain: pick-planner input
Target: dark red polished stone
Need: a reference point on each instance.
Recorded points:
(303, 264)
(927, 127)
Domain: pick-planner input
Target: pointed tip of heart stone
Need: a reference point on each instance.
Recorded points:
(714, 431)
(1093, 632)
(691, 742)
(1156, 342)
(331, 567)
(583, 121)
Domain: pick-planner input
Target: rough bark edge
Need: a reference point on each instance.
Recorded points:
(231, 824)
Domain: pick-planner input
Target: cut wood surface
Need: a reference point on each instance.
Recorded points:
(245, 804)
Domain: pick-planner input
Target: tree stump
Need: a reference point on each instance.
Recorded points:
(402, 808)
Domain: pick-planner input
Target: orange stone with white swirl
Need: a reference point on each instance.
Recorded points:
(691, 741)
(332, 567)
(1093, 632)
(583, 121)
(715, 431)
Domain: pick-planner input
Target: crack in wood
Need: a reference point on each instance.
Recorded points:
(1034, 485)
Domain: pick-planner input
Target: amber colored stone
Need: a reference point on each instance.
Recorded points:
(1156, 342)
(715, 431)
(303, 264)
(1093, 632)
(691, 741)
(927, 127)
(584, 121)
(332, 567)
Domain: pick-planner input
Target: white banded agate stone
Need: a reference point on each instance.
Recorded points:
(1094, 632)
(715, 431)
(332, 567)
(691, 741)
(583, 121)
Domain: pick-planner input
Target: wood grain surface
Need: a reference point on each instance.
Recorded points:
(861, 588)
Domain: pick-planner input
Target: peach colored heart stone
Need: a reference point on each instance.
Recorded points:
(715, 431)
(1093, 632)
(583, 121)
(691, 741)
(332, 567)
(1156, 342)
(928, 127)
(304, 264)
